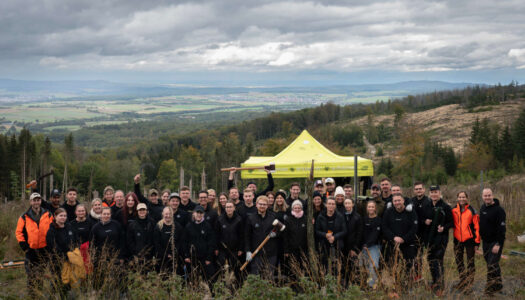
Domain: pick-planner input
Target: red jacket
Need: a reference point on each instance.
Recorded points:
(466, 224)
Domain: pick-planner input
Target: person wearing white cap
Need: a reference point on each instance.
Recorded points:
(330, 186)
(139, 237)
(340, 199)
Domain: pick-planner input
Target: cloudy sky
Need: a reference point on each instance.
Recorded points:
(328, 41)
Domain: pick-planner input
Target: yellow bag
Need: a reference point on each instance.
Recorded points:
(73, 270)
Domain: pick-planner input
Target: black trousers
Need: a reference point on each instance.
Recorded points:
(494, 280)
(34, 264)
(198, 268)
(229, 257)
(435, 260)
(466, 276)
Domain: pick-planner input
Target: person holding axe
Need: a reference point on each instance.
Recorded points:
(258, 227)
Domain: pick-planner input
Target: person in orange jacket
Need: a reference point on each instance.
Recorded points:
(31, 231)
(466, 239)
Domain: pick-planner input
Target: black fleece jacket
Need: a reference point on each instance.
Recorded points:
(199, 240)
(139, 238)
(402, 224)
(257, 228)
(295, 235)
(371, 231)
(354, 228)
(230, 233)
(492, 223)
(61, 240)
(336, 223)
(162, 240)
(83, 229)
(109, 235)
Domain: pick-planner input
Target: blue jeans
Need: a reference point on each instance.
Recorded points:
(374, 252)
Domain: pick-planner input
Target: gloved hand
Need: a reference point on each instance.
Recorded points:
(248, 256)
(273, 234)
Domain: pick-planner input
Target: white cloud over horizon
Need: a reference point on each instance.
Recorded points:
(262, 36)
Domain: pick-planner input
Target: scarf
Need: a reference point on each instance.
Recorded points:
(298, 215)
(94, 215)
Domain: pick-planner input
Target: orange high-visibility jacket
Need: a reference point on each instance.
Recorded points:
(31, 232)
(466, 224)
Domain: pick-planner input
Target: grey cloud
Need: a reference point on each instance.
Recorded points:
(262, 35)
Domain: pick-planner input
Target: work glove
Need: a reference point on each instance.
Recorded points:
(248, 256)
(273, 234)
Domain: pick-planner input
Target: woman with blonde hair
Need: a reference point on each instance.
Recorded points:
(96, 210)
(167, 237)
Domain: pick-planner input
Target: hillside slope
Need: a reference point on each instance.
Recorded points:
(451, 124)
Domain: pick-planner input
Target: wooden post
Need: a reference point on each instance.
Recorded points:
(203, 179)
(51, 181)
(310, 215)
(181, 178)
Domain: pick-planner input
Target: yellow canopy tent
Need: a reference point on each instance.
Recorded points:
(295, 161)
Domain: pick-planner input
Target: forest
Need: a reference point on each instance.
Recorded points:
(78, 160)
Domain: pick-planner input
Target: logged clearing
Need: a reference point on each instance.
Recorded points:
(451, 124)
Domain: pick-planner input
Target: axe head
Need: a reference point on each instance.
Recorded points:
(270, 167)
(278, 226)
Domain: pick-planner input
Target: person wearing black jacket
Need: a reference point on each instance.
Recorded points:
(167, 238)
(210, 215)
(180, 216)
(155, 206)
(295, 190)
(54, 197)
(251, 185)
(186, 203)
(295, 243)
(399, 229)
(439, 221)
(71, 203)
(199, 245)
(419, 201)
(60, 239)
(139, 237)
(82, 224)
(372, 240)
(257, 227)
(107, 237)
(230, 236)
(352, 244)
(330, 229)
(492, 229)
(247, 207)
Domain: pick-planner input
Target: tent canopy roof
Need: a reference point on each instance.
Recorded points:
(295, 161)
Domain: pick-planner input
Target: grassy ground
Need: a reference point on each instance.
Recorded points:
(13, 281)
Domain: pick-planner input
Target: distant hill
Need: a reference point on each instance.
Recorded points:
(95, 88)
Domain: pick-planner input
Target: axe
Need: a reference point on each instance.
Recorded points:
(277, 226)
(270, 167)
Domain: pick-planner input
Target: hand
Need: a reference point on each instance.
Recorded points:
(286, 255)
(232, 173)
(440, 228)
(207, 262)
(169, 256)
(32, 184)
(313, 221)
(428, 221)
(331, 239)
(495, 249)
(137, 179)
(239, 253)
(476, 248)
(273, 234)
(398, 240)
(352, 253)
(248, 256)
(216, 252)
(267, 171)
(187, 260)
(328, 235)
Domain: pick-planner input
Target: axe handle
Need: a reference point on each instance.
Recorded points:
(256, 251)
(240, 169)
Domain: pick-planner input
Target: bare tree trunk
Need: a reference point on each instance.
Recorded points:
(23, 173)
(181, 178)
(203, 179)
(310, 215)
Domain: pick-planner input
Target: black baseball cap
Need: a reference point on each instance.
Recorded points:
(375, 186)
(434, 188)
(55, 192)
(199, 208)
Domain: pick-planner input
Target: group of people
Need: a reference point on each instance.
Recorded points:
(171, 233)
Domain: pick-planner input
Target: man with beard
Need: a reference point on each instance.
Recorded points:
(252, 185)
(155, 206)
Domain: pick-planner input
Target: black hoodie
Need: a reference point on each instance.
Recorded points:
(492, 226)
(61, 240)
(230, 233)
(139, 238)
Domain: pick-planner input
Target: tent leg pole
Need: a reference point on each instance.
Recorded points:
(356, 179)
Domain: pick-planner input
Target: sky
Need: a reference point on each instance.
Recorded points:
(258, 42)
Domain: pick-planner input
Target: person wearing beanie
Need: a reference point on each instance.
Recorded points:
(339, 196)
